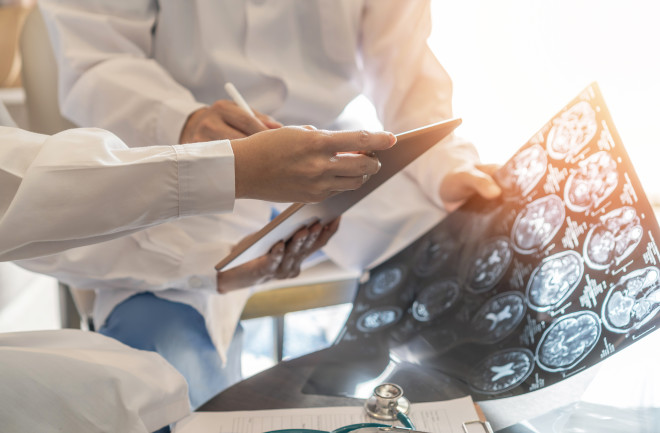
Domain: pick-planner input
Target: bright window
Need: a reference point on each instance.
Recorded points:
(515, 63)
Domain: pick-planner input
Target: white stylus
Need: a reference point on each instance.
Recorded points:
(238, 99)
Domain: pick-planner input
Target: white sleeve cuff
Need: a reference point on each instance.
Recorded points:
(206, 177)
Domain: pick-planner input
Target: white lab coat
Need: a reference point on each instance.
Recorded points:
(85, 186)
(140, 68)
(53, 196)
(75, 381)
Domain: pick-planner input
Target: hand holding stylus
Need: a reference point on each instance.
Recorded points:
(226, 119)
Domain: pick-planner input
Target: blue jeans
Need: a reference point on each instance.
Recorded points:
(178, 333)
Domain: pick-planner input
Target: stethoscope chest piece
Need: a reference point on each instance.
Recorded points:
(386, 401)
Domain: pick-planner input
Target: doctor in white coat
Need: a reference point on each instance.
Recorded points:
(153, 72)
(53, 197)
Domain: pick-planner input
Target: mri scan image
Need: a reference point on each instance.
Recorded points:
(568, 341)
(537, 224)
(435, 299)
(491, 263)
(433, 252)
(554, 280)
(502, 371)
(609, 242)
(378, 318)
(508, 296)
(593, 181)
(571, 131)
(499, 316)
(633, 301)
(520, 175)
(384, 281)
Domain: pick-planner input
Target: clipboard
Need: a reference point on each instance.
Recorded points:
(409, 146)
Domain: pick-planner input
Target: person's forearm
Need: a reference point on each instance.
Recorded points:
(85, 186)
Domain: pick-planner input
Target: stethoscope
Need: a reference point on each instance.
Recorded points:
(387, 403)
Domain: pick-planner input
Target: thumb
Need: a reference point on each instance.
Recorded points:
(483, 184)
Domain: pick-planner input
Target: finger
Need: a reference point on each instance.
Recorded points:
(475, 181)
(214, 127)
(294, 270)
(239, 119)
(354, 164)
(484, 184)
(267, 120)
(359, 141)
(489, 169)
(314, 233)
(253, 272)
(218, 130)
(345, 183)
(328, 231)
(293, 247)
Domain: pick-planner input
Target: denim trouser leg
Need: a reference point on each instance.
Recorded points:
(178, 333)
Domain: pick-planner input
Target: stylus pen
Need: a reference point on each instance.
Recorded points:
(238, 99)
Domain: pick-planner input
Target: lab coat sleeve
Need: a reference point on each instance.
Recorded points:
(85, 186)
(105, 74)
(409, 87)
(75, 381)
(167, 256)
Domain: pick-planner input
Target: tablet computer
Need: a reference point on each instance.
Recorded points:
(409, 146)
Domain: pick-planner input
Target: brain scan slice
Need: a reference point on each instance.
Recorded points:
(571, 131)
(568, 341)
(521, 174)
(613, 239)
(499, 316)
(502, 371)
(632, 301)
(435, 299)
(554, 280)
(537, 224)
(490, 264)
(384, 281)
(378, 318)
(433, 252)
(593, 181)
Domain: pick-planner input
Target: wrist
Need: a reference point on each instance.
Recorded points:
(188, 131)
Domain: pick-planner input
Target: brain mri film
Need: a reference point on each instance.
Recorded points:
(384, 282)
(378, 318)
(520, 175)
(633, 301)
(491, 262)
(568, 340)
(435, 299)
(509, 296)
(609, 242)
(502, 371)
(571, 131)
(554, 280)
(433, 252)
(537, 224)
(499, 316)
(593, 181)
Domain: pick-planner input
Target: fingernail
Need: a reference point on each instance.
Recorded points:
(392, 139)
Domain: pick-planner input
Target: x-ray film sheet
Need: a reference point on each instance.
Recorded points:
(508, 296)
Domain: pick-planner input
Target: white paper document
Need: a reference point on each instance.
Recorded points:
(436, 417)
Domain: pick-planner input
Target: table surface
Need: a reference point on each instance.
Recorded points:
(278, 387)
